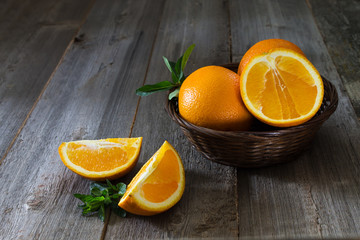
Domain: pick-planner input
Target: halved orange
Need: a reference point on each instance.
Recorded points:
(101, 159)
(158, 185)
(281, 88)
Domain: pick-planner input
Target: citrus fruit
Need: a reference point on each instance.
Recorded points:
(158, 185)
(210, 97)
(281, 88)
(101, 159)
(265, 46)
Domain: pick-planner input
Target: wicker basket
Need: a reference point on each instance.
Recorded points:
(262, 145)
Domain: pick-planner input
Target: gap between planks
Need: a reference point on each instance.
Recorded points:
(230, 38)
(237, 172)
(108, 213)
(48, 81)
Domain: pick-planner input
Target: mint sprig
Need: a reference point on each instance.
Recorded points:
(177, 75)
(101, 197)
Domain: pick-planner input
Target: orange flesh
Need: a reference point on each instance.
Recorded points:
(289, 81)
(163, 182)
(95, 158)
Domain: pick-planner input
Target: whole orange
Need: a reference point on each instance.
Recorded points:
(265, 46)
(210, 97)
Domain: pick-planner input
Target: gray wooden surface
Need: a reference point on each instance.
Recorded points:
(69, 71)
(34, 36)
(339, 25)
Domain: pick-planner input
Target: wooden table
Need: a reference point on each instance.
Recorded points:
(69, 70)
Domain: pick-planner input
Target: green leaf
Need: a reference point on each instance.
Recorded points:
(110, 185)
(107, 200)
(186, 56)
(172, 64)
(96, 192)
(174, 77)
(121, 187)
(101, 212)
(102, 196)
(99, 186)
(118, 210)
(177, 75)
(105, 192)
(167, 63)
(149, 89)
(174, 93)
(120, 191)
(177, 72)
(82, 197)
(95, 202)
(181, 77)
(116, 196)
(92, 204)
(178, 68)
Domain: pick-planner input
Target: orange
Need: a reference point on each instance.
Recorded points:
(101, 159)
(265, 46)
(281, 88)
(210, 97)
(158, 185)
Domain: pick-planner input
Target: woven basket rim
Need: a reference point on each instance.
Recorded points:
(321, 116)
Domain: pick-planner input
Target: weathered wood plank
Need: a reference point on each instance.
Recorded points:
(339, 25)
(317, 195)
(208, 207)
(33, 37)
(90, 96)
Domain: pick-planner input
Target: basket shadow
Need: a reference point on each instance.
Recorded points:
(321, 171)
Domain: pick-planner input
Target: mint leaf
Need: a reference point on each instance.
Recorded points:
(82, 197)
(94, 186)
(96, 192)
(101, 213)
(121, 187)
(149, 89)
(110, 185)
(118, 211)
(102, 197)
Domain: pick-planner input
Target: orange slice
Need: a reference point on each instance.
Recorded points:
(101, 159)
(158, 185)
(281, 88)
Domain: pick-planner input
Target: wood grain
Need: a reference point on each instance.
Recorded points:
(33, 37)
(339, 24)
(91, 95)
(316, 195)
(208, 207)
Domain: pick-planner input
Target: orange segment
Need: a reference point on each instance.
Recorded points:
(163, 182)
(158, 185)
(101, 159)
(281, 88)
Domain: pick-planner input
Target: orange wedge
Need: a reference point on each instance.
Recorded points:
(101, 159)
(158, 185)
(281, 88)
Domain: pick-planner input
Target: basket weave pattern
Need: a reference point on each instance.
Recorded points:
(261, 146)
